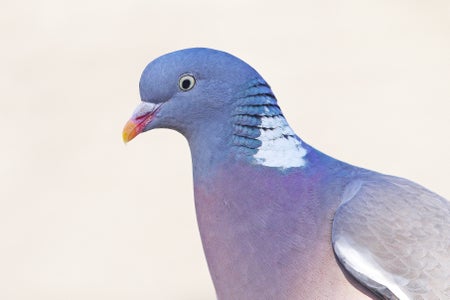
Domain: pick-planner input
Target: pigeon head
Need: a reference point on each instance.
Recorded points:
(219, 103)
(182, 89)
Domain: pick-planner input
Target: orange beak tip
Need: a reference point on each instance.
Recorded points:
(140, 119)
(129, 131)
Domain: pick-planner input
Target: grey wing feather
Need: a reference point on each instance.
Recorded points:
(393, 236)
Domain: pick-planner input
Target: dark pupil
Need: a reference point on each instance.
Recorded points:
(186, 84)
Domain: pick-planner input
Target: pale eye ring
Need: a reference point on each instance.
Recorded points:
(186, 82)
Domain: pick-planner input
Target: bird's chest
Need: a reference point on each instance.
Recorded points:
(260, 233)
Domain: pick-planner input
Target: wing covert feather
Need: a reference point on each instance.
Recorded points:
(393, 236)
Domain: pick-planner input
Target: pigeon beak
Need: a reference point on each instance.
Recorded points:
(142, 116)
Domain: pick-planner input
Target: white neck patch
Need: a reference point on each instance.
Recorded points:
(280, 147)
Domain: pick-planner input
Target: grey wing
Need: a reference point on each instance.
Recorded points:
(393, 236)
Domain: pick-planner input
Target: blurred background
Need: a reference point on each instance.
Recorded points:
(82, 216)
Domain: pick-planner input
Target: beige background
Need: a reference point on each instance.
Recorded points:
(84, 217)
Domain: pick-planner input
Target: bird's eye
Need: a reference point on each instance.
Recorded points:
(186, 82)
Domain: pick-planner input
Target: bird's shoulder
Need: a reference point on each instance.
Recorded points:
(393, 235)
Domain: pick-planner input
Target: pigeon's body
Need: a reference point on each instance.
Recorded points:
(269, 236)
(276, 215)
